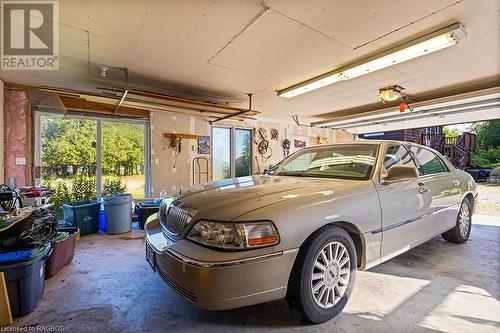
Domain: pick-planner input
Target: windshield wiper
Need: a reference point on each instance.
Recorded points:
(295, 174)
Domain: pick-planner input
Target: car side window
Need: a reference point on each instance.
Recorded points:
(398, 154)
(429, 163)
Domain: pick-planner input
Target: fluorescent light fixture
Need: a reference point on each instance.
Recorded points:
(429, 43)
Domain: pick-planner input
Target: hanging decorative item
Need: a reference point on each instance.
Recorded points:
(274, 134)
(203, 144)
(297, 143)
(263, 146)
(176, 144)
(319, 140)
(285, 145)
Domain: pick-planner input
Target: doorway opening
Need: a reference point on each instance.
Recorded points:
(95, 155)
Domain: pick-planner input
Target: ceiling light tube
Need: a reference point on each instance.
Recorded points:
(429, 43)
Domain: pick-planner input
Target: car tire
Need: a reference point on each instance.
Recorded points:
(320, 303)
(461, 231)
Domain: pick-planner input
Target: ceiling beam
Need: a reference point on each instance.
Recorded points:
(420, 100)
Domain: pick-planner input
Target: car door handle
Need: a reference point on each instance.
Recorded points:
(455, 182)
(423, 189)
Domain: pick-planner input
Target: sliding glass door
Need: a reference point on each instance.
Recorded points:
(232, 152)
(96, 155)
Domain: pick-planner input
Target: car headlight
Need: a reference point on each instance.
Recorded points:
(234, 236)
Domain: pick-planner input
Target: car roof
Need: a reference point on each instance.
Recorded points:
(364, 142)
(378, 143)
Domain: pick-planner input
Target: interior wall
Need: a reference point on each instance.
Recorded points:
(310, 135)
(169, 172)
(165, 177)
(17, 138)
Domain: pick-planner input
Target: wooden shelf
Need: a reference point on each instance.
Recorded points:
(180, 136)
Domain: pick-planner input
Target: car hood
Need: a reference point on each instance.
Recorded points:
(227, 199)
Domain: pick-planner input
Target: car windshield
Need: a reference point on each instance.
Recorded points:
(339, 161)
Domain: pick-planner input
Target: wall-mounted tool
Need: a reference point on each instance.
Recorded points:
(257, 164)
(274, 134)
(285, 145)
(176, 143)
(263, 146)
(200, 168)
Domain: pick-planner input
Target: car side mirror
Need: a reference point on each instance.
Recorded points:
(270, 170)
(400, 172)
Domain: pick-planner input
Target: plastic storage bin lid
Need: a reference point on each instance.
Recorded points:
(117, 199)
(78, 204)
(22, 257)
(149, 204)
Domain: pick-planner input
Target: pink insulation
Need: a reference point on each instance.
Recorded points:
(15, 112)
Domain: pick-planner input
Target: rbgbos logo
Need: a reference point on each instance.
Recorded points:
(30, 35)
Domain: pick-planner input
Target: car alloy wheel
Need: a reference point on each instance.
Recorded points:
(461, 231)
(464, 219)
(323, 274)
(330, 274)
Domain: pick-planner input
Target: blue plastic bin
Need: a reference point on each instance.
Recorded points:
(102, 222)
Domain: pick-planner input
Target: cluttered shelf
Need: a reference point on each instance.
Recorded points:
(7, 220)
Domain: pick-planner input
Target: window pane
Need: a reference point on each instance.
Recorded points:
(123, 167)
(428, 161)
(243, 158)
(221, 153)
(398, 155)
(68, 155)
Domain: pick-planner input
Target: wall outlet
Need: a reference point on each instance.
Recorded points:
(157, 161)
(20, 160)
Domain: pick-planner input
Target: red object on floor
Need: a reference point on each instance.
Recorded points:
(63, 252)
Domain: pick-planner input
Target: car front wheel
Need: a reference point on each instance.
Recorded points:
(461, 232)
(323, 275)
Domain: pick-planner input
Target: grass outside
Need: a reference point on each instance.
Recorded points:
(488, 199)
(134, 184)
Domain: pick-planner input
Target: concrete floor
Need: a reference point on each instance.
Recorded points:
(437, 287)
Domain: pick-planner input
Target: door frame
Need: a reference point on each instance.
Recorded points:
(37, 144)
(232, 148)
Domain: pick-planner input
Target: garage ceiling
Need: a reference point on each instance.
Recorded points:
(188, 48)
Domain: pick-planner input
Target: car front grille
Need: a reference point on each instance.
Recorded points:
(175, 219)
